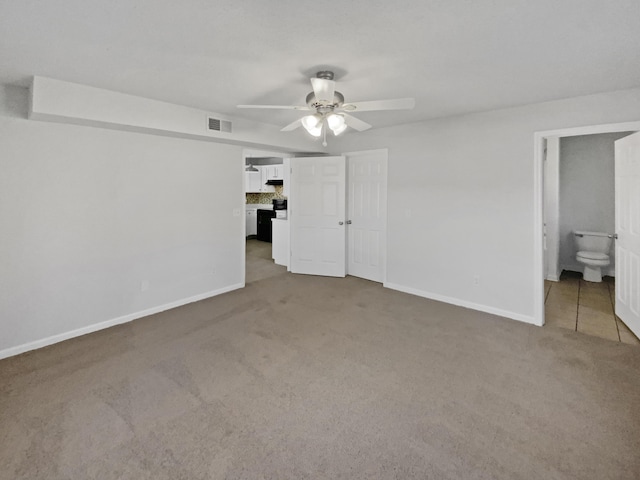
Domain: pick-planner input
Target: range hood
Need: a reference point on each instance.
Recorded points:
(274, 182)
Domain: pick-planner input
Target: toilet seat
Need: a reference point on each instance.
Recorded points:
(593, 256)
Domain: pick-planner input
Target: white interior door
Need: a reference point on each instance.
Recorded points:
(317, 216)
(367, 214)
(627, 178)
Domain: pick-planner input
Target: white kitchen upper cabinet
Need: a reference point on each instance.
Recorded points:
(265, 171)
(278, 172)
(255, 182)
(252, 182)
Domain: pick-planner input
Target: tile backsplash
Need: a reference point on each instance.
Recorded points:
(265, 197)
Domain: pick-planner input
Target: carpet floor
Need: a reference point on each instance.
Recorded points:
(303, 377)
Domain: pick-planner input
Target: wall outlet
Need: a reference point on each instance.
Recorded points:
(476, 279)
(144, 285)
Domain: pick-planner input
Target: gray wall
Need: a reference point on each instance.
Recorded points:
(461, 198)
(587, 199)
(100, 225)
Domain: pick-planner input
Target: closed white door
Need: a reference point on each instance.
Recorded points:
(317, 216)
(367, 214)
(627, 186)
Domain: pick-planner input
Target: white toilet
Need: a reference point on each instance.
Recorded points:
(593, 252)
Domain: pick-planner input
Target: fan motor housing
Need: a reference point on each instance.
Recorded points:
(321, 107)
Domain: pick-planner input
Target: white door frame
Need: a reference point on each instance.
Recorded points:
(538, 199)
(551, 232)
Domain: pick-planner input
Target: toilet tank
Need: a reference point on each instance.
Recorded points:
(593, 241)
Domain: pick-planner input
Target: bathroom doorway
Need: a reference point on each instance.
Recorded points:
(579, 196)
(577, 193)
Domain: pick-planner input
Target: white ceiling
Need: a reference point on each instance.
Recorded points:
(453, 56)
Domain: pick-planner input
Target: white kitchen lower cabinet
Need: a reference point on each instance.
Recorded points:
(280, 241)
(252, 222)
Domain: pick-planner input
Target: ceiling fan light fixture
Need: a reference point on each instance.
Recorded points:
(316, 132)
(337, 131)
(310, 122)
(329, 110)
(335, 121)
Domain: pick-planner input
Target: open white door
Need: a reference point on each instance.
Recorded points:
(367, 214)
(317, 216)
(627, 186)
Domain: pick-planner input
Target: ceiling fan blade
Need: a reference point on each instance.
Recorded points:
(323, 89)
(280, 107)
(396, 104)
(356, 123)
(291, 126)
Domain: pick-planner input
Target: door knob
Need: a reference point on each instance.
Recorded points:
(340, 223)
(348, 222)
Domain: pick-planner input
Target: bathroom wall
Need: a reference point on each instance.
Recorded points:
(586, 191)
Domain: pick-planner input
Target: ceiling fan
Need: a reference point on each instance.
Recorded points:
(331, 112)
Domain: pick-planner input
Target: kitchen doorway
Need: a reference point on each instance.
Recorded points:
(263, 181)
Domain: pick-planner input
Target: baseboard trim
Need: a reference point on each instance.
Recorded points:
(553, 278)
(462, 303)
(26, 347)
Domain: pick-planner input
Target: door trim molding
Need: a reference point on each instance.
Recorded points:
(538, 199)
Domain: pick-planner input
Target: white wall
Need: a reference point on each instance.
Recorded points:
(87, 214)
(461, 198)
(587, 194)
(66, 102)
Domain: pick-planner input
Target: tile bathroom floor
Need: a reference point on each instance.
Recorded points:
(585, 307)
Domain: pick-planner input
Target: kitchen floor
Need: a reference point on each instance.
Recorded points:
(260, 265)
(585, 307)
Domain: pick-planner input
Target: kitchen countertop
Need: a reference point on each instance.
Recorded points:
(262, 206)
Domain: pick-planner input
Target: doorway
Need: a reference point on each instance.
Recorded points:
(549, 231)
(261, 166)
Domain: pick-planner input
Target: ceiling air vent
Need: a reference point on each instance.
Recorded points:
(218, 125)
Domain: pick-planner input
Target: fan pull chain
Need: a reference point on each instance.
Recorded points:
(324, 135)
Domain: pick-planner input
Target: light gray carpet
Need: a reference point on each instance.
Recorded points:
(300, 377)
